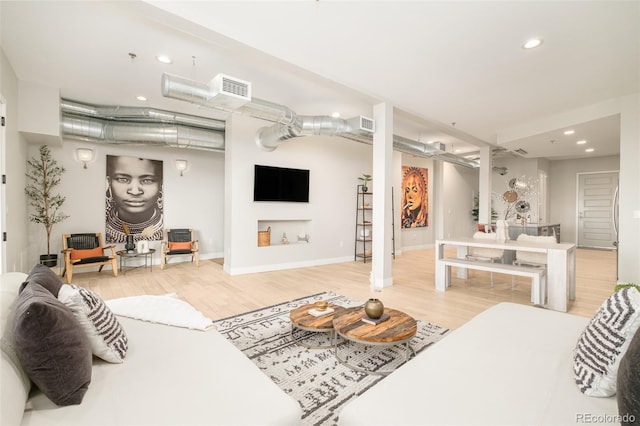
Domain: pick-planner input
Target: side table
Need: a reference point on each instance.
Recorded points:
(125, 255)
(301, 319)
(398, 330)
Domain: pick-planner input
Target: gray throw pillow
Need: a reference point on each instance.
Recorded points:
(629, 384)
(44, 276)
(52, 348)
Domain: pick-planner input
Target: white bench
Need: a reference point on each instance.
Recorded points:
(537, 275)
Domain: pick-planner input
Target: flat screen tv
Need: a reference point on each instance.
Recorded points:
(280, 184)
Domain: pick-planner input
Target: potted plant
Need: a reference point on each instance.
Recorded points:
(43, 175)
(365, 179)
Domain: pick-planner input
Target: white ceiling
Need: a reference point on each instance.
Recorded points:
(437, 62)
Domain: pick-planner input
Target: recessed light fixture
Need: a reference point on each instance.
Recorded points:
(569, 132)
(431, 142)
(532, 43)
(164, 59)
(141, 98)
(335, 114)
(589, 150)
(582, 142)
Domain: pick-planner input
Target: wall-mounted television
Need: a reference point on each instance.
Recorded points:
(280, 184)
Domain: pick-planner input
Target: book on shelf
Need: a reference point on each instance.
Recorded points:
(375, 321)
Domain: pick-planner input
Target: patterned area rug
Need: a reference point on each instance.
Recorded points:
(313, 376)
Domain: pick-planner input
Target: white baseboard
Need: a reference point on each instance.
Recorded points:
(283, 266)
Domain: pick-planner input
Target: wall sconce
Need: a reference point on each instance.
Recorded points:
(181, 165)
(85, 155)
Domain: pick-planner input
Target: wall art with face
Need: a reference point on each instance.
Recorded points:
(134, 199)
(415, 197)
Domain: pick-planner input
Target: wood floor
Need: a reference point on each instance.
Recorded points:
(218, 295)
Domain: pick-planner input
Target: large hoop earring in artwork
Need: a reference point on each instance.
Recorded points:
(160, 199)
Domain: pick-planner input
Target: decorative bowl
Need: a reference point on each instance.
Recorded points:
(321, 305)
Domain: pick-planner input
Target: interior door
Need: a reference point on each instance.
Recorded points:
(596, 209)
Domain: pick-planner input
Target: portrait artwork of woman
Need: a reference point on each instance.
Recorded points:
(134, 199)
(415, 200)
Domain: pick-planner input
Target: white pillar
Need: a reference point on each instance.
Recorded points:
(484, 196)
(381, 274)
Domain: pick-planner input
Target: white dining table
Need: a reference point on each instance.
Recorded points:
(561, 265)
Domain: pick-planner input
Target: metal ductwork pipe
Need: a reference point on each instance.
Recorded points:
(268, 138)
(177, 136)
(135, 114)
(289, 125)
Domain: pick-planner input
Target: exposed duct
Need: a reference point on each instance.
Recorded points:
(289, 125)
(130, 125)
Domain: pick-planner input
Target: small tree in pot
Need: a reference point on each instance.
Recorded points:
(43, 175)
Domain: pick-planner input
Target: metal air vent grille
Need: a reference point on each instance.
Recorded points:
(235, 87)
(367, 124)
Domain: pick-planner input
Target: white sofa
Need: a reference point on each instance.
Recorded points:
(510, 365)
(170, 376)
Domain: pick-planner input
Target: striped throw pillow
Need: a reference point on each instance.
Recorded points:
(605, 341)
(106, 336)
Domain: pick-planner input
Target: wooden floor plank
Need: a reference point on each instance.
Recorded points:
(217, 294)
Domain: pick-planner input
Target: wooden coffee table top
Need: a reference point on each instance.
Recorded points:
(301, 318)
(399, 327)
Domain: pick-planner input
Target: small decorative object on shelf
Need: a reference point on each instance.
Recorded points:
(365, 179)
(374, 308)
(285, 240)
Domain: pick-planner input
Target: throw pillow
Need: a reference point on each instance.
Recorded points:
(51, 347)
(179, 246)
(83, 254)
(106, 336)
(604, 341)
(629, 383)
(44, 276)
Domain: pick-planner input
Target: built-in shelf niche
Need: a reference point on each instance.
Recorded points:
(292, 227)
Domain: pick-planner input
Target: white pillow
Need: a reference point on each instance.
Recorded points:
(604, 342)
(106, 336)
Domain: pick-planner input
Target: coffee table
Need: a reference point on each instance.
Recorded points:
(125, 255)
(301, 319)
(398, 330)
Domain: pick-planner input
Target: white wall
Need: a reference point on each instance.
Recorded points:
(194, 200)
(15, 150)
(334, 164)
(460, 184)
(563, 190)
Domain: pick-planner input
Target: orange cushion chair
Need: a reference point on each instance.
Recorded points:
(82, 250)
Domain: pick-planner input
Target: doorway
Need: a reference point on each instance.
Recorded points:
(597, 210)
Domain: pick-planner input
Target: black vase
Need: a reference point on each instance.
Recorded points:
(49, 260)
(129, 245)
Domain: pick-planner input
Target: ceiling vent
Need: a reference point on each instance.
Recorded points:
(361, 123)
(230, 92)
(521, 151)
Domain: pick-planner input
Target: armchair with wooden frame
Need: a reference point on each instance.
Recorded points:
(82, 250)
(179, 242)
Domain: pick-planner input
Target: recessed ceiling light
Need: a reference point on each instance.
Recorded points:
(164, 59)
(431, 142)
(335, 115)
(582, 142)
(532, 43)
(589, 150)
(569, 132)
(141, 98)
